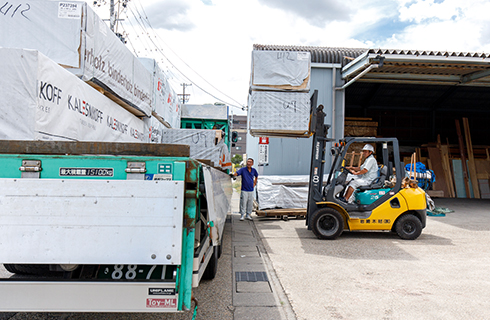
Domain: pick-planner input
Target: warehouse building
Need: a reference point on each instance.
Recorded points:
(415, 96)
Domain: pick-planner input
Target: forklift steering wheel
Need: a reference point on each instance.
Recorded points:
(342, 176)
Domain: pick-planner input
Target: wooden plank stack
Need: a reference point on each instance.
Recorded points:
(360, 127)
(461, 170)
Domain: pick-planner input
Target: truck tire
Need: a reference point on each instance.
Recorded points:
(327, 224)
(220, 249)
(408, 227)
(212, 267)
(10, 268)
(37, 269)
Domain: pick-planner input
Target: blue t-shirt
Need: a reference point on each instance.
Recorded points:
(247, 178)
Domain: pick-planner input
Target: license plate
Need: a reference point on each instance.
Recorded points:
(137, 272)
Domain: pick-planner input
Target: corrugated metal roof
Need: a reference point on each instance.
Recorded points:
(319, 54)
(416, 66)
(429, 53)
(402, 66)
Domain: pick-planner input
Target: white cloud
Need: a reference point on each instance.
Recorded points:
(216, 37)
(420, 11)
(451, 25)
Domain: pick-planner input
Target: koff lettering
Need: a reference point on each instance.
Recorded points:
(49, 92)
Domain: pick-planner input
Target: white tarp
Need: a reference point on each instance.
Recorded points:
(155, 129)
(204, 144)
(279, 111)
(282, 192)
(218, 196)
(43, 101)
(71, 34)
(205, 111)
(165, 101)
(280, 70)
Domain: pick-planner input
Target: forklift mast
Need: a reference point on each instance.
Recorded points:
(320, 132)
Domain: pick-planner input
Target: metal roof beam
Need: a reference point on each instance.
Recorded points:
(475, 76)
(357, 65)
(434, 59)
(449, 79)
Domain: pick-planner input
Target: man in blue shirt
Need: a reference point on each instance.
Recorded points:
(249, 180)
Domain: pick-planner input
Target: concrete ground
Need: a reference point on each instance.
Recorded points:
(444, 274)
(214, 297)
(369, 275)
(231, 295)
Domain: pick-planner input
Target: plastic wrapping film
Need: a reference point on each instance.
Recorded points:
(280, 70)
(72, 35)
(279, 111)
(204, 144)
(205, 111)
(155, 129)
(43, 101)
(282, 192)
(218, 196)
(165, 101)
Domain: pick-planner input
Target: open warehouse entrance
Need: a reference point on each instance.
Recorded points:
(417, 97)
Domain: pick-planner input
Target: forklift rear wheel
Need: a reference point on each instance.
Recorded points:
(327, 224)
(408, 227)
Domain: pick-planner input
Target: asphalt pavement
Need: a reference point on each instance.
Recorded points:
(245, 287)
(376, 275)
(276, 269)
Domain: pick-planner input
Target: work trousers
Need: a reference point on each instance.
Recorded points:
(356, 181)
(246, 202)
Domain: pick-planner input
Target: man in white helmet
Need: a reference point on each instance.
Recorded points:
(363, 175)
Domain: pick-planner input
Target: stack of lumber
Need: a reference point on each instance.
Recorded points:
(462, 170)
(279, 98)
(360, 127)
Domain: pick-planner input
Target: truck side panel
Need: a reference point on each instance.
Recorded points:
(91, 221)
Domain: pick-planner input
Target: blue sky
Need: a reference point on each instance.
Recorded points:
(209, 42)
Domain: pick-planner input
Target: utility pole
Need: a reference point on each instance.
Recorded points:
(184, 96)
(114, 16)
(112, 21)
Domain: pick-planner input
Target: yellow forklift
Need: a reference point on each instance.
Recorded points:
(397, 207)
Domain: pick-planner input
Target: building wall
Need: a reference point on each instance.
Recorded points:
(292, 156)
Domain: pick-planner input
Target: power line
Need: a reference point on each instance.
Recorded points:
(141, 24)
(149, 24)
(157, 48)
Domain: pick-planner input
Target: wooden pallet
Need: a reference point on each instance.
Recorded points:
(281, 213)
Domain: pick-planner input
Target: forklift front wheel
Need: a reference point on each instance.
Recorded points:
(327, 224)
(408, 227)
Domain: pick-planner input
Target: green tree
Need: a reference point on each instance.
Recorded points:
(237, 159)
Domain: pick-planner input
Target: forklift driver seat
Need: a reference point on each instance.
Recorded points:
(378, 182)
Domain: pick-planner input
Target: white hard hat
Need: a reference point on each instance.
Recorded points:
(368, 147)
